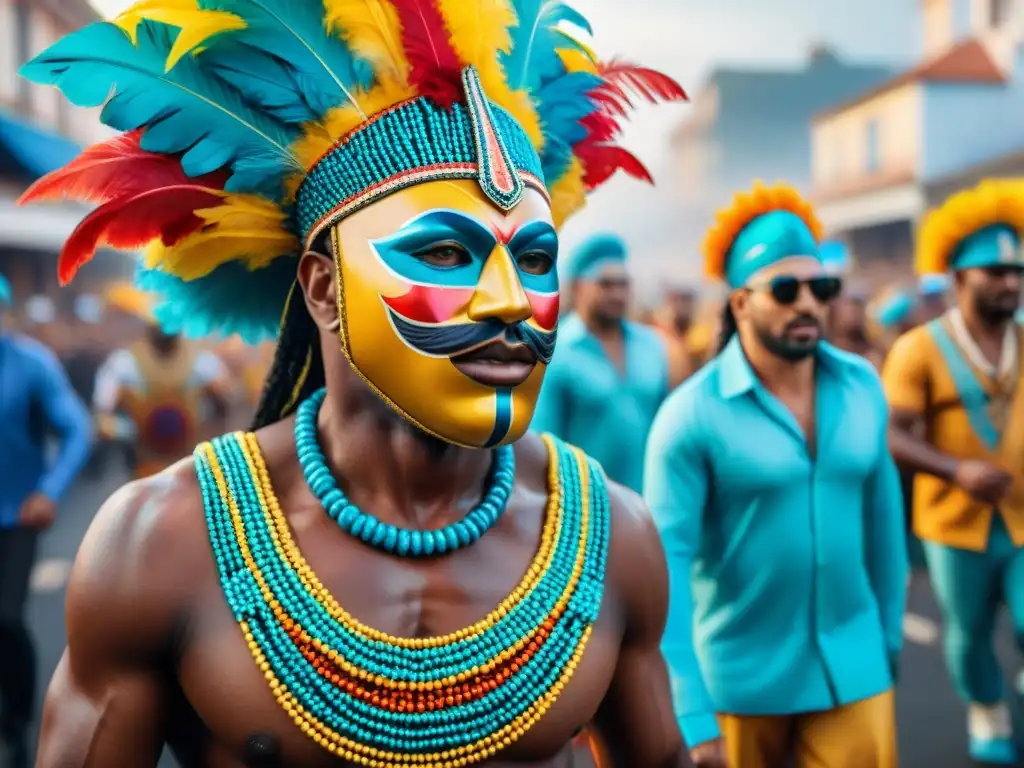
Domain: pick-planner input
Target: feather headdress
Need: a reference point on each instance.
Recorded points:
(251, 125)
(744, 209)
(993, 202)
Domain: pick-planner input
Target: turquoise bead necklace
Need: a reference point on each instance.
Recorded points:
(390, 538)
(274, 607)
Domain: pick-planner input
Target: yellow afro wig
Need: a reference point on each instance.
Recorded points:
(994, 201)
(745, 207)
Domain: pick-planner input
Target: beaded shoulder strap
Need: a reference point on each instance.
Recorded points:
(375, 699)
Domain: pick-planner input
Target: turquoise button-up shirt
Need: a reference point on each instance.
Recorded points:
(787, 570)
(589, 402)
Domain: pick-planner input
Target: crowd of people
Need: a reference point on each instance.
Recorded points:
(402, 526)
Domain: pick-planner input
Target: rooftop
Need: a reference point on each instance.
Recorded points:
(966, 62)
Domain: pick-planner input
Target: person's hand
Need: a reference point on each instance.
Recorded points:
(982, 480)
(38, 511)
(710, 754)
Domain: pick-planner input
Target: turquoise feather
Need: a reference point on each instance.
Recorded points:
(535, 40)
(323, 69)
(264, 81)
(184, 110)
(231, 299)
(564, 102)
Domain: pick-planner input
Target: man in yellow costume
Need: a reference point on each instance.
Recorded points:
(958, 376)
(389, 570)
(155, 393)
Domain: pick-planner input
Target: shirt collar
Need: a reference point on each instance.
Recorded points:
(736, 377)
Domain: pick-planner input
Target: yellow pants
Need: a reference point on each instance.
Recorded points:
(859, 735)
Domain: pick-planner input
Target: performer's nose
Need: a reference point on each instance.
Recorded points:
(499, 293)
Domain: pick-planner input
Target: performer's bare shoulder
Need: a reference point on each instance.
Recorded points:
(156, 657)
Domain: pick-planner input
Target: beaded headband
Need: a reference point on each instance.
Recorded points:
(416, 142)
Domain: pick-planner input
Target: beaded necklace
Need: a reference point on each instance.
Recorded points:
(391, 702)
(390, 538)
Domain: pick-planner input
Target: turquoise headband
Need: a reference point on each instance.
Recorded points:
(933, 285)
(835, 256)
(767, 240)
(590, 258)
(6, 295)
(997, 245)
(416, 142)
(895, 310)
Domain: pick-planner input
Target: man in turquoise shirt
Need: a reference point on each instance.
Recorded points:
(769, 476)
(609, 375)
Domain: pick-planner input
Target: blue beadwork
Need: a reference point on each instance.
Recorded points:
(413, 136)
(403, 542)
(411, 733)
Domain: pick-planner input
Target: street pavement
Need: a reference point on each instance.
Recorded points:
(930, 718)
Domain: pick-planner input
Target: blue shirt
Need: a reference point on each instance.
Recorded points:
(589, 402)
(35, 395)
(787, 571)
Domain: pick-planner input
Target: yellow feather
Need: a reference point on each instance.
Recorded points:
(478, 31)
(372, 32)
(576, 61)
(568, 194)
(245, 228)
(318, 139)
(196, 25)
(576, 43)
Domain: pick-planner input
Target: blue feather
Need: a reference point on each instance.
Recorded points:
(555, 159)
(265, 81)
(184, 110)
(324, 71)
(535, 41)
(562, 103)
(231, 299)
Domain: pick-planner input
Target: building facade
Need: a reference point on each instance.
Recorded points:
(40, 131)
(881, 159)
(755, 124)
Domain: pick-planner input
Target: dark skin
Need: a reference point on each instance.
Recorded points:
(602, 303)
(155, 656)
(848, 326)
(987, 298)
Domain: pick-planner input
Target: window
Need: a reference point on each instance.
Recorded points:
(871, 149)
(999, 12)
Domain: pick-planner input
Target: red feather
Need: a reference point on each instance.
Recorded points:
(112, 169)
(621, 80)
(601, 161)
(435, 68)
(133, 221)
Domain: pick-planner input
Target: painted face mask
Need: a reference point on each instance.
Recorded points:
(449, 305)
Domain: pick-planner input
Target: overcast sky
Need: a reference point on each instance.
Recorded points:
(685, 38)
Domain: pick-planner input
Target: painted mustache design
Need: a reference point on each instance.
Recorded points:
(453, 340)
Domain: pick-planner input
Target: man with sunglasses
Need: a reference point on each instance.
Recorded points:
(779, 506)
(609, 375)
(957, 380)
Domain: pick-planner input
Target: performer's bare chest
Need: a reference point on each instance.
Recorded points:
(243, 723)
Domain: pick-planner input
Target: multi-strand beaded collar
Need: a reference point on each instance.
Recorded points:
(384, 701)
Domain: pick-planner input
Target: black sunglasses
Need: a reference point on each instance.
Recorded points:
(785, 289)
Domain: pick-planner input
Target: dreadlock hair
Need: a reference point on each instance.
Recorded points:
(728, 327)
(298, 368)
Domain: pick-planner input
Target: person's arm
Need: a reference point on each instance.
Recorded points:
(552, 411)
(907, 387)
(886, 543)
(66, 414)
(105, 707)
(675, 489)
(635, 721)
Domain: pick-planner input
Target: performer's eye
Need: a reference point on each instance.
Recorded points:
(445, 255)
(535, 262)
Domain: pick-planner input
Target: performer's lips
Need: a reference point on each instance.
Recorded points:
(497, 364)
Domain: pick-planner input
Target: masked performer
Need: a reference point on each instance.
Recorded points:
(956, 381)
(153, 392)
(779, 505)
(610, 374)
(389, 572)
